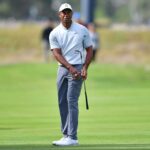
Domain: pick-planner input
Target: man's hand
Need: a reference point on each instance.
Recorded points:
(87, 62)
(75, 73)
(84, 73)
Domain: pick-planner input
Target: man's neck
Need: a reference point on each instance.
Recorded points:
(67, 25)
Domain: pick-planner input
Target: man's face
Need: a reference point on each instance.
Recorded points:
(65, 16)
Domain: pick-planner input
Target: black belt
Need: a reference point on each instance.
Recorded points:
(71, 65)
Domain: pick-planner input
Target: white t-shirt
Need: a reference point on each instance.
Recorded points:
(71, 41)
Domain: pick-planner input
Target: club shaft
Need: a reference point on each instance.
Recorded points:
(85, 92)
(86, 97)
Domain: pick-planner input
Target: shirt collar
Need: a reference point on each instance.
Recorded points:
(66, 28)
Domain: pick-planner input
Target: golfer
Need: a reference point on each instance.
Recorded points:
(71, 46)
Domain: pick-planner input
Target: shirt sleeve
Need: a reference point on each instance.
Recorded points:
(53, 41)
(87, 42)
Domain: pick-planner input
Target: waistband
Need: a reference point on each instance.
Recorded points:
(71, 65)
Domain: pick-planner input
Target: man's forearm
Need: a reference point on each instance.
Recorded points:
(61, 59)
(89, 56)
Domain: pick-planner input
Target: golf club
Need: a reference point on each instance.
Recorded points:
(85, 92)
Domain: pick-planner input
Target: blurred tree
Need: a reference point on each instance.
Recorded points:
(44, 8)
(110, 9)
(136, 11)
(145, 11)
(4, 9)
(20, 9)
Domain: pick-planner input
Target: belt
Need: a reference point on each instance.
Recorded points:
(71, 65)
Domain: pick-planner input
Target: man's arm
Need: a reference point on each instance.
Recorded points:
(88, 59)
(58, 56)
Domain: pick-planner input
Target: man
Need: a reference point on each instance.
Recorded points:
(45, 39)
(95, 39)
(68, 42)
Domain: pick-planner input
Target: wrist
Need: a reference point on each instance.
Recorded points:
(85, 66)
(68, 66)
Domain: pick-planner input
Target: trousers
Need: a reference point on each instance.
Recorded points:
(68, 94)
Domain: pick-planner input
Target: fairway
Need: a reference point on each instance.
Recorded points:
(118, 115)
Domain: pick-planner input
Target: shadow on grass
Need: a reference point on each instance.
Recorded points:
(82, 147)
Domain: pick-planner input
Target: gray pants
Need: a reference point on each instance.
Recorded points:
(68, 94)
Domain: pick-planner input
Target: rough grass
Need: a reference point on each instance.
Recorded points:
(115, 46)
(23, 37)
(124, 46)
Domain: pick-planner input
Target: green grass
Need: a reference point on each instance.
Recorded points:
(118, 118)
